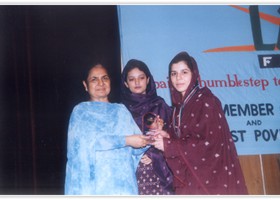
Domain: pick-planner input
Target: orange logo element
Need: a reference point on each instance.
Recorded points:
(264, 16)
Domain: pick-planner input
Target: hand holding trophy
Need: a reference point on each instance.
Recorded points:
(151, 124)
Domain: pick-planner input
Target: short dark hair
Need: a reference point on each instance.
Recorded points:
(93, 65)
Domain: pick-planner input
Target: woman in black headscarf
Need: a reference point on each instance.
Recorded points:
(140, 97)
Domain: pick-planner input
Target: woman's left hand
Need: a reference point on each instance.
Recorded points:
(146, 160)
(160, 122)
(158, 143)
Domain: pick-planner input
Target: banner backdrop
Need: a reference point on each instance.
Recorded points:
(237, 52)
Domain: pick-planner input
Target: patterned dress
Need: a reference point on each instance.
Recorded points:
(203, 157)
(150, 182)
(201, 152)
(98, 162)
(155, 178)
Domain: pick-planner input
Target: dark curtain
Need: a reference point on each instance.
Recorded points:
(43, 51)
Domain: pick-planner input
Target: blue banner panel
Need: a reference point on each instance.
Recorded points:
(237, 51)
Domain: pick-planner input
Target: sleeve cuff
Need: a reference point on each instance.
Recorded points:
(170, 147)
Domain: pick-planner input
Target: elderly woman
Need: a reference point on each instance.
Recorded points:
(102, 141)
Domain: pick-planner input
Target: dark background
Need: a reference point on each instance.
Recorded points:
(43, 50)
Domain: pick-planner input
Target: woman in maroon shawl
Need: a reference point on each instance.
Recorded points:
(199, 148)
(140, 97)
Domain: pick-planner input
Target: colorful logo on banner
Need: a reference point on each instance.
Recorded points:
(237, 51)
(259, 45)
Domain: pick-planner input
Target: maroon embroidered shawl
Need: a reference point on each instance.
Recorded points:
(204, 158)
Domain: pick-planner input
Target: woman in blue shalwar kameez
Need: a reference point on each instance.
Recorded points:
(104, 143)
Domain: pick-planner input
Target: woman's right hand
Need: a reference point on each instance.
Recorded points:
(158, 139)
(146, 160)
(162, 133)
(137, 141)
